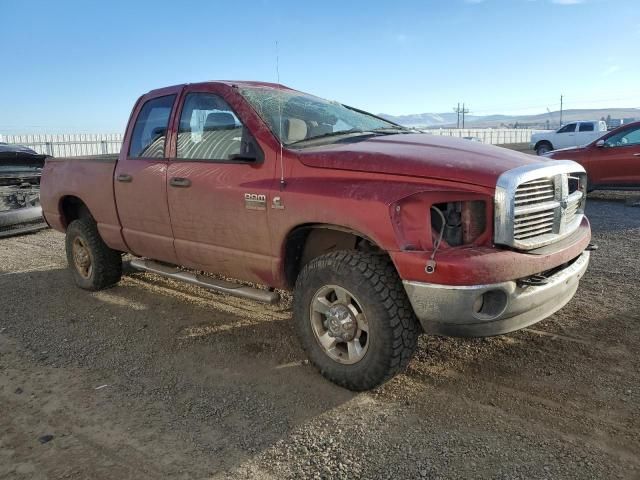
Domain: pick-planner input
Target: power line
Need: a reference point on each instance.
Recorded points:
(590, 100)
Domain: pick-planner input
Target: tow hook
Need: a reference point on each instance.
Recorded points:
(533, 281)
(592, 247)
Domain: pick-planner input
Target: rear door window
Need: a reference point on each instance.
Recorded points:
(587, 127)
(150, 130)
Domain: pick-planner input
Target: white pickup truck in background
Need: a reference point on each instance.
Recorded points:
(573, 134)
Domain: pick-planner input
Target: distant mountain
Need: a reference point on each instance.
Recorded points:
(541, 120)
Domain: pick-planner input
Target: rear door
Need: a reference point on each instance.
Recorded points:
(140, 182)
(565, 137)
(587, 132)
(218, 199)
(617, 163)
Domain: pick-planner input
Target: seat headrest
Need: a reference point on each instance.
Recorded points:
(219, 121)
(295, 129)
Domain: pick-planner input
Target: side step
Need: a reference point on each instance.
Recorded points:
(222, 286)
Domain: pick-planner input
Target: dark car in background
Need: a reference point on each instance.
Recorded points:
(20, 171)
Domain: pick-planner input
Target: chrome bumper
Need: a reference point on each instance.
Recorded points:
(486, 310)
(21, 220)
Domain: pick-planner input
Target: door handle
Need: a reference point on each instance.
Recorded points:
(180, 182)
(124, 177)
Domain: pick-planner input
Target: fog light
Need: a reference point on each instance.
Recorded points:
(490, 305)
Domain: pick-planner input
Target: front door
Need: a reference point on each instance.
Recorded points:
(140, 182)
(566, 137)
(219, 186)
(617, 162)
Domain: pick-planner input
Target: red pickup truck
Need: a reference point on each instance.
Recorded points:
(382, 232)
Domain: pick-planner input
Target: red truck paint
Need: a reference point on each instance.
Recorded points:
(608, 167)
(379, 188)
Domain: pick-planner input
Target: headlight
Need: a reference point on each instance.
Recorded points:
(463, 218)
(464, 222)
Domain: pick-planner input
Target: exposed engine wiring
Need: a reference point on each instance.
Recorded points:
(436, 245)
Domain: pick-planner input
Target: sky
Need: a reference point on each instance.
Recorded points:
(78, 66)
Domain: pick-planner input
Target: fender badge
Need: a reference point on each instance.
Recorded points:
(277, 203)
(255, 201)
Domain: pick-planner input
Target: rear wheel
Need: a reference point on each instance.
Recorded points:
(354, 319)
(94, 265)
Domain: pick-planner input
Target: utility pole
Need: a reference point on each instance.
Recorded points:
(561, 99)
(462, 111)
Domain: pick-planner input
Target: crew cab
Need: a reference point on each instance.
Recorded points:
(611, 162)
(572, 134)
(381, 232)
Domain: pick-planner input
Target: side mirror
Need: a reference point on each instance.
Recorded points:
(244, 157)
(600, 143)
(250, 152)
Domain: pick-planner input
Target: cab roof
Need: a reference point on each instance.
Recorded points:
(230, 83)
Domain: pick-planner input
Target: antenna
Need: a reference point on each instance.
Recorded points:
(282, 182)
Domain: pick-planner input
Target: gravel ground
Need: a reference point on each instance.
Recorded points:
(154, 379)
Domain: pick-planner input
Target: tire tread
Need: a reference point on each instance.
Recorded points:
(107, 263)
(379, 274)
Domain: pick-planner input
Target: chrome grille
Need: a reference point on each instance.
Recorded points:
(535, 191)
(529, 221)
(539, 204)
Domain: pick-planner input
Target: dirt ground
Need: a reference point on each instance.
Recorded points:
(153, 379)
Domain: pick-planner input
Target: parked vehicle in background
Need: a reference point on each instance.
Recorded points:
(612, 162)
(20, 170)
(381, 232)
(572, 134)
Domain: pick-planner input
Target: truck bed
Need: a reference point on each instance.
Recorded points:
(89, 178)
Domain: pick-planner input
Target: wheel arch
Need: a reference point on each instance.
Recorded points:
(73, 208)
(305, 242)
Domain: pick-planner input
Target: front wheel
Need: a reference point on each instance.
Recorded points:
(543, 148)
(94, 265)
(354, 319)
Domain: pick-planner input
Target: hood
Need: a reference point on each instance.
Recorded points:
(19, 164)
(419, 155)
(566, 153)
(541, 134)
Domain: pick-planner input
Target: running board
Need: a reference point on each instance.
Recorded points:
(221, 286)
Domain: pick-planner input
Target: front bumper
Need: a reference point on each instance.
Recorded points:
(486, 310)
(21, 220)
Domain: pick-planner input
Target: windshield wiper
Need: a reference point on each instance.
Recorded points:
(392, 130)
(333, 134)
